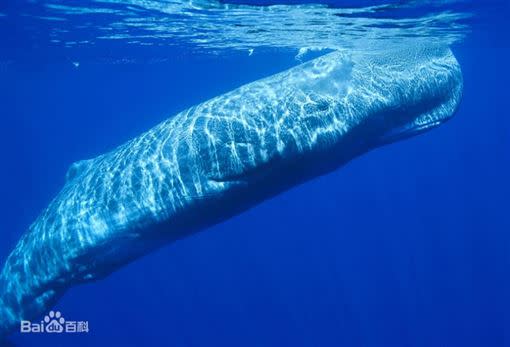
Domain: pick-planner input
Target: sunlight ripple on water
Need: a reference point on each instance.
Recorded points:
(213, 25)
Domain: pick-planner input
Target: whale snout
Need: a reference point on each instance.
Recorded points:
(432, 98)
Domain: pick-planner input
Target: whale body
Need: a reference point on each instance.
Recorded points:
(220, 158)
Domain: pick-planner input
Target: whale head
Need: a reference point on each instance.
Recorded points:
(428, 111)
(347, 103)
(412, 98)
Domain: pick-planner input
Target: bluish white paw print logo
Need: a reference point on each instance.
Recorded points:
(54, 322)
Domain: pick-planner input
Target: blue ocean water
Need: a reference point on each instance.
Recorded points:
(406, 245)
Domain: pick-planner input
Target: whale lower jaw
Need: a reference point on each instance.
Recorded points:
(220, 158)
(406, 132)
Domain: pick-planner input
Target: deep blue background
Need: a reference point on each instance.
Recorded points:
(406, 245)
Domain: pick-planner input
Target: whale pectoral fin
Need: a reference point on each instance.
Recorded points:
(77, 169)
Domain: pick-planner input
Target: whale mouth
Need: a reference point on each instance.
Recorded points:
(406, 131)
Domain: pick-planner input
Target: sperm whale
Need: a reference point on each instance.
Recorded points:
(219, 158)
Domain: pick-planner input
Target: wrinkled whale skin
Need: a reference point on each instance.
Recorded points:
(219, 158)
